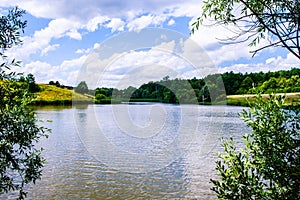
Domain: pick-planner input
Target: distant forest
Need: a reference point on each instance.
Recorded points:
(210, 88)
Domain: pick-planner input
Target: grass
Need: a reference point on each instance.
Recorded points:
(291, 99)
(52, 95)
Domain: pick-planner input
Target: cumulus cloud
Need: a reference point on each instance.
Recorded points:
(68, 18)
(140, 23)
(74, 34)
(49, 48)
(65, 73)
(116, 24)
(93, 24)
(42, 38)
(87, 9)
(271, 64)
(171, 22)
(83, 51)
(168, 57)
(208, 37)
(43, 72)
(135, 68)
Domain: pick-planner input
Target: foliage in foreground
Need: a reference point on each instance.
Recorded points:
(20, 159)
(268, 166)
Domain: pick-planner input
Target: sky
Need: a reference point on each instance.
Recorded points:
(110, 43)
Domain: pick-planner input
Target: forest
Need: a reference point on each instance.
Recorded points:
(211, 88)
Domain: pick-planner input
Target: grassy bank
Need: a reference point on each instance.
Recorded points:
(291, 99)
(52, 95)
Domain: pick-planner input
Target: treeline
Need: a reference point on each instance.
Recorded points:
(57, 84)
(211, 88)
(277, 82)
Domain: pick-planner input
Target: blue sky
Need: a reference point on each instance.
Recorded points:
(62, 37)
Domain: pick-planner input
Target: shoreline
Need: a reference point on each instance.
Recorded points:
(292, 101)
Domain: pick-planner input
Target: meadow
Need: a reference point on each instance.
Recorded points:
(52, 95)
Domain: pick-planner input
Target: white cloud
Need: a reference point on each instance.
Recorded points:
(65, 73)
(140, 23)
(137, 67)
(271, 64)
(68, 18)
(85, 10)
(116, 24)
(96, 45)
(43, 72)
(83, 51)
(49, 48)
(74, 34)
(209, 38)
(94, 23)
(171, 22)
(145, 21)
(41, 39)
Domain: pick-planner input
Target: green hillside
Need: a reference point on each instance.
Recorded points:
(53, 95)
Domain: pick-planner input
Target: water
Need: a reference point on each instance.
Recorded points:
(148, 151)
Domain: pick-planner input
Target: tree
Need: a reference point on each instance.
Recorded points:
(246, 85)
(268, 166)
(166, 78)
(57, 84)
(275, 20)
(32, 86)
(82, 88)
(20, 160)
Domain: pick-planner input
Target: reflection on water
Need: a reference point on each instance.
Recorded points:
(178, 163)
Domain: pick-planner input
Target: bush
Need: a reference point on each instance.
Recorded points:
(20, 159)
(268, 166)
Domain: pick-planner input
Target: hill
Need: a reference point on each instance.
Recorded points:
(53, 95)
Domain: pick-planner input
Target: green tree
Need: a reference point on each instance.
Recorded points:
(268, 166)
(128, 92)
(100, 96)
(82, 88)
(20, 160)
(246, 85)
(275, 20)
(32, 86)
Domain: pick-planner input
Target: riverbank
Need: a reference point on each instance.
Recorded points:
(292, 100)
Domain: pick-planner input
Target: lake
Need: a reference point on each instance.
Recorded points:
(136, 151)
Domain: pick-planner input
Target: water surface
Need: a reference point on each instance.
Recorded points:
(151, 151)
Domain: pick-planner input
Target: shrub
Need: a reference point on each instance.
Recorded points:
(268, 166)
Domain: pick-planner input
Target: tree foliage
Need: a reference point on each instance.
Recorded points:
(234, 83)
(32, 86)
(268, 166)
(82, 88)
(20, 159)
(278, 21)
